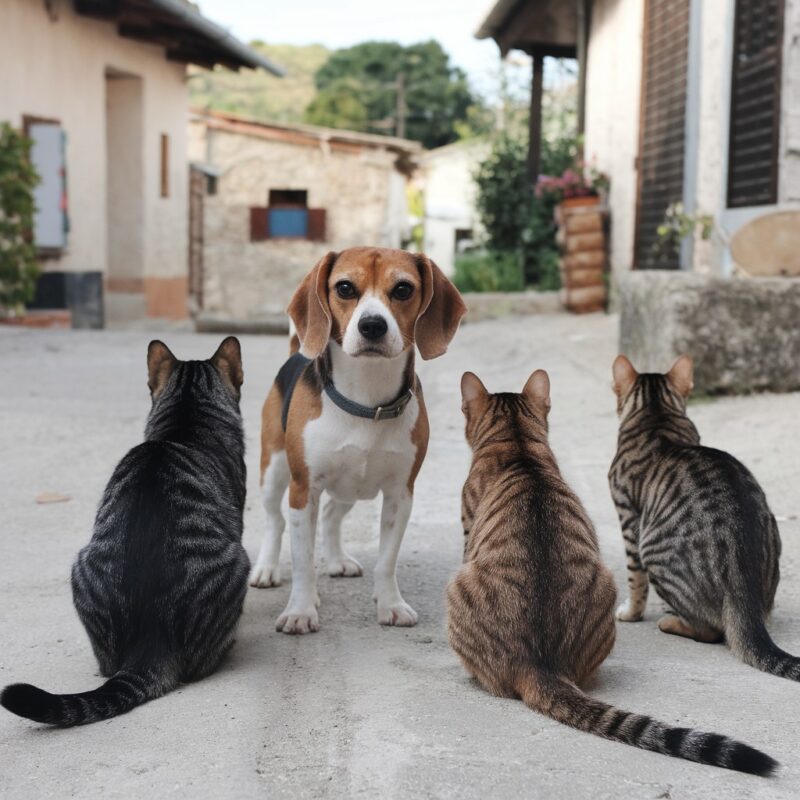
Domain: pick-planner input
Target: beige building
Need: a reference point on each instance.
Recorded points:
(101, 89)
(451, 220)
(269, 200)
(683, 101)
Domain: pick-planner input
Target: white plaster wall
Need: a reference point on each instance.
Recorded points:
(613, 87)
(450, 192)
(359, 187)
(789, 179)
(56, 69)
(124, 195)
(713, 256)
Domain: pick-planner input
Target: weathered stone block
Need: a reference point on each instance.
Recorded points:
(743, 334)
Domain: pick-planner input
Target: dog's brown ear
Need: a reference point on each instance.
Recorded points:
(160, 364)
(310, 310)
(440, 312)
(228, 360)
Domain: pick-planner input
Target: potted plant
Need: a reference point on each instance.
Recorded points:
(18, 266)
(578, 193)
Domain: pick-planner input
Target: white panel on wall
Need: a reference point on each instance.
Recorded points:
(47, 155)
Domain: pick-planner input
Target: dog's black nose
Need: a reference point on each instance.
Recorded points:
(372, 327)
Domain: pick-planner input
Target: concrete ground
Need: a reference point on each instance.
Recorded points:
(358, 710)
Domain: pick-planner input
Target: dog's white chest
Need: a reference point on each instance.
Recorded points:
(354, 458)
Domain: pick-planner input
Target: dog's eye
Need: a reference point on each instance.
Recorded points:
(402, 291)
(345, 290)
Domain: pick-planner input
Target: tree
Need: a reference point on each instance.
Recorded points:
(358, 88)
(18, 266)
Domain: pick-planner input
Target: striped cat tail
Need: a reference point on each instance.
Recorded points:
(566, 703)
(120, 693)
(750, 640)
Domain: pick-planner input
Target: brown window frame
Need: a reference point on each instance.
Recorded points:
(164, 164)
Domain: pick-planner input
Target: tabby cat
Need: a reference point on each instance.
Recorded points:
(531, 611)
(160, 586)
(695, 523)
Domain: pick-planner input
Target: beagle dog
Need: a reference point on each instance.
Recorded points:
(346, 416)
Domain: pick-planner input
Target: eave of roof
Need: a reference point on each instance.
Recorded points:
(185, 33)
(303, 134)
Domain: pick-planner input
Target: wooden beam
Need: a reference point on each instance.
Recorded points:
(535, 119)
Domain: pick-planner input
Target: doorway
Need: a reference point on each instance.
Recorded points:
(125, 299)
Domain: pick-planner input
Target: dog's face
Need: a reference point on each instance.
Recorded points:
(376, 302)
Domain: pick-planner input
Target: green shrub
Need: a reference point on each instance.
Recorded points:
(494, 271)
(18, 267)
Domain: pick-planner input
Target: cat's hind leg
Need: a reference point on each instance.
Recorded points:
(671, 623)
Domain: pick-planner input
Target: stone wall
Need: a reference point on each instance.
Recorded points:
(743, 334)
(359, 187)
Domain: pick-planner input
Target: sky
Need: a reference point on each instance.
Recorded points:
(341, 23)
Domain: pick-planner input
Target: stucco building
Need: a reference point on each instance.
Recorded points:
(269, 200)
(101, 89)
(682, 101)
(447, 179)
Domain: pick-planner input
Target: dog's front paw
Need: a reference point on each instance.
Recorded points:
(344, 567)
(263, 577)
(399, 614)
(298, 621)
(626, 614)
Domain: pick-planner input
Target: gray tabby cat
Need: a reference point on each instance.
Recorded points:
(696, 524)
(160, 586)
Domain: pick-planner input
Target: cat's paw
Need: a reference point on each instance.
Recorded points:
(626, 614)
(266, 576)
(298, 621)
(343, 567)
(401, 615)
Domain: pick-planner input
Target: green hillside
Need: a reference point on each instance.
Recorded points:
(257, 94)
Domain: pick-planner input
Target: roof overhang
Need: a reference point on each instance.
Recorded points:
(176, 25)
(547, 27)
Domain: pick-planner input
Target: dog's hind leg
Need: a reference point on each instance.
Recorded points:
(337, 562)
(266, 570)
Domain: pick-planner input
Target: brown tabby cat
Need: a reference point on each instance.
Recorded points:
(696, 523)
(531, 611)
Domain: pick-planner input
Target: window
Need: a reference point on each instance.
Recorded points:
(164, 165)
(287, 217)
(755, 103)
(48, 155)
(288, 214)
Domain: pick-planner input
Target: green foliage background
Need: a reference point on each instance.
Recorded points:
(260, 95)
(357, 89)
(18, 266)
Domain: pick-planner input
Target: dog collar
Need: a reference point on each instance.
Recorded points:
(390, 411)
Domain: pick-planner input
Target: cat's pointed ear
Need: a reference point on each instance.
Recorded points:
(228, 360)
(537, 391)
(471, 389)
(160, 364)
(625, 376)
(681, 376)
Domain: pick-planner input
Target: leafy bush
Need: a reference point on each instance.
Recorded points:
(481, 271)
(18, 266)
(516, 218)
